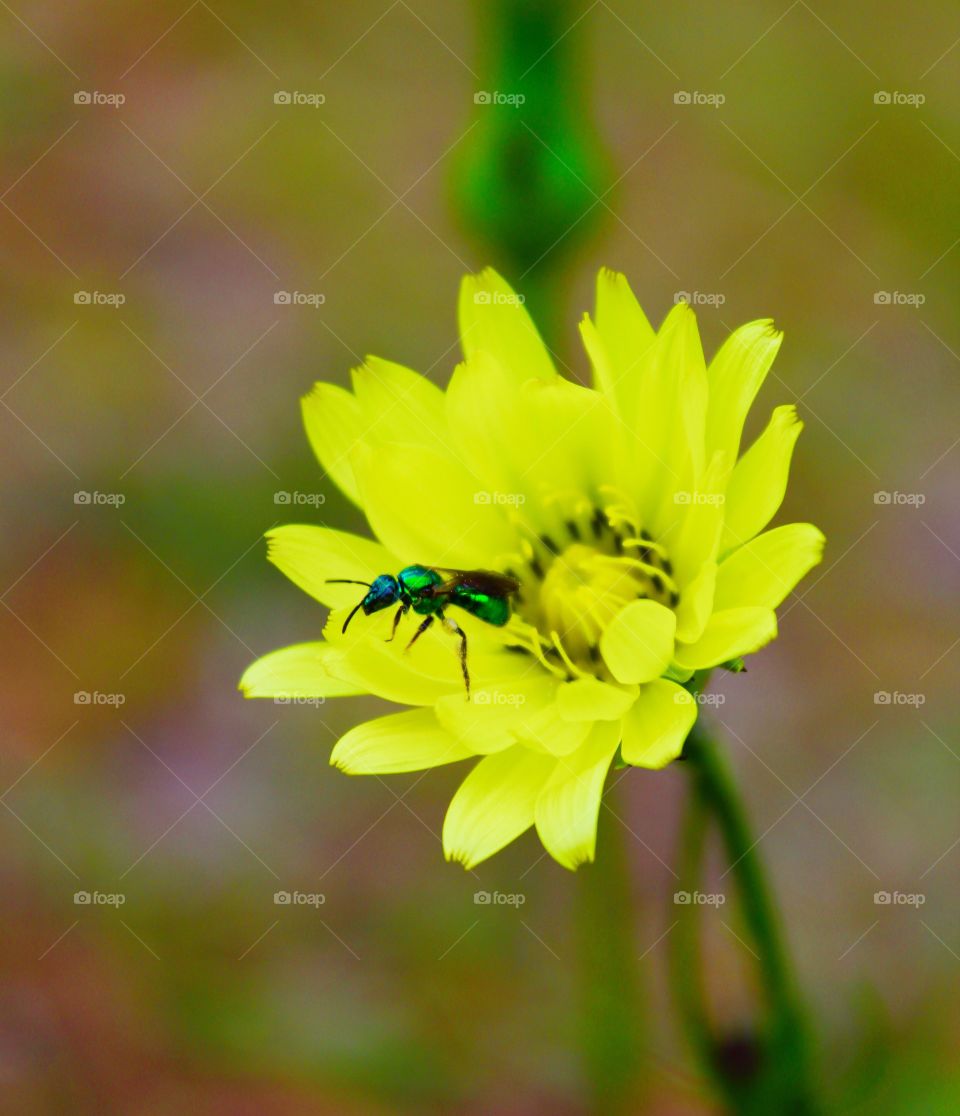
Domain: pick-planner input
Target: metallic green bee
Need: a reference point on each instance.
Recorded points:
(429, 590)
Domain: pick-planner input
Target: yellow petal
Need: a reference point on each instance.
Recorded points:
(310, 555)
(494, 804)
(589, 699)
(765, 570)
(637, 644)
(734, 376)
(428, 508)
(494, 319)
(655, 727)
(696, 603)
(400, 405)
(567, 808)
(300, 671)
(625, 339)
(408, 741)
(759, 479)
(729, 634)
(334, 425)
(497, 712)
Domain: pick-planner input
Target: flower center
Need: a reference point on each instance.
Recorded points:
(571, 592)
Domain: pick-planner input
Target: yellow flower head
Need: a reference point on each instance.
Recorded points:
(624, 511)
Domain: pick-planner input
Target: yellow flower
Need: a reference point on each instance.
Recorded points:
(624, 510)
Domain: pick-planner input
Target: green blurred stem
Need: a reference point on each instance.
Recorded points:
(768, 1070)
(610, 1031)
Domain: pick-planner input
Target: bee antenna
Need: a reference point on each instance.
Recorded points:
(346, 581)
(343, 630)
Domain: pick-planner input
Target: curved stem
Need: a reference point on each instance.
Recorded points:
(768, 1071)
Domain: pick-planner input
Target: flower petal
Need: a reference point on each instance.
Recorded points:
(764, 570)
(729, 634)
(567, 808)
(334, 425)
(494, 804)
(426, 507)
(655, 727)
(300, 671)
(637, 644)
(399, 405)
(408, 741)
(734, 376)
(759, 479)
(310, 555)
(494, 319)
(625, 339)
(589, 699)
(494, 718)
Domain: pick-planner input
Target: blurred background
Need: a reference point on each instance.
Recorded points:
(206, 207)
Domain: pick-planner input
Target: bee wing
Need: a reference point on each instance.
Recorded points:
(484, 581)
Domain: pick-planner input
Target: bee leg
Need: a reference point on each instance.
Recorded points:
(454, 627)
(418, 633)
(398, 616)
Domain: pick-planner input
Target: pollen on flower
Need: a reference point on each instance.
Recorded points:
(578, 581)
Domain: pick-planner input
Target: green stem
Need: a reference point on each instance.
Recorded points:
(770, 1069)
(610, 1033)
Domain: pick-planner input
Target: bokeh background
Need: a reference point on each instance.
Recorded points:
(800, 196)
